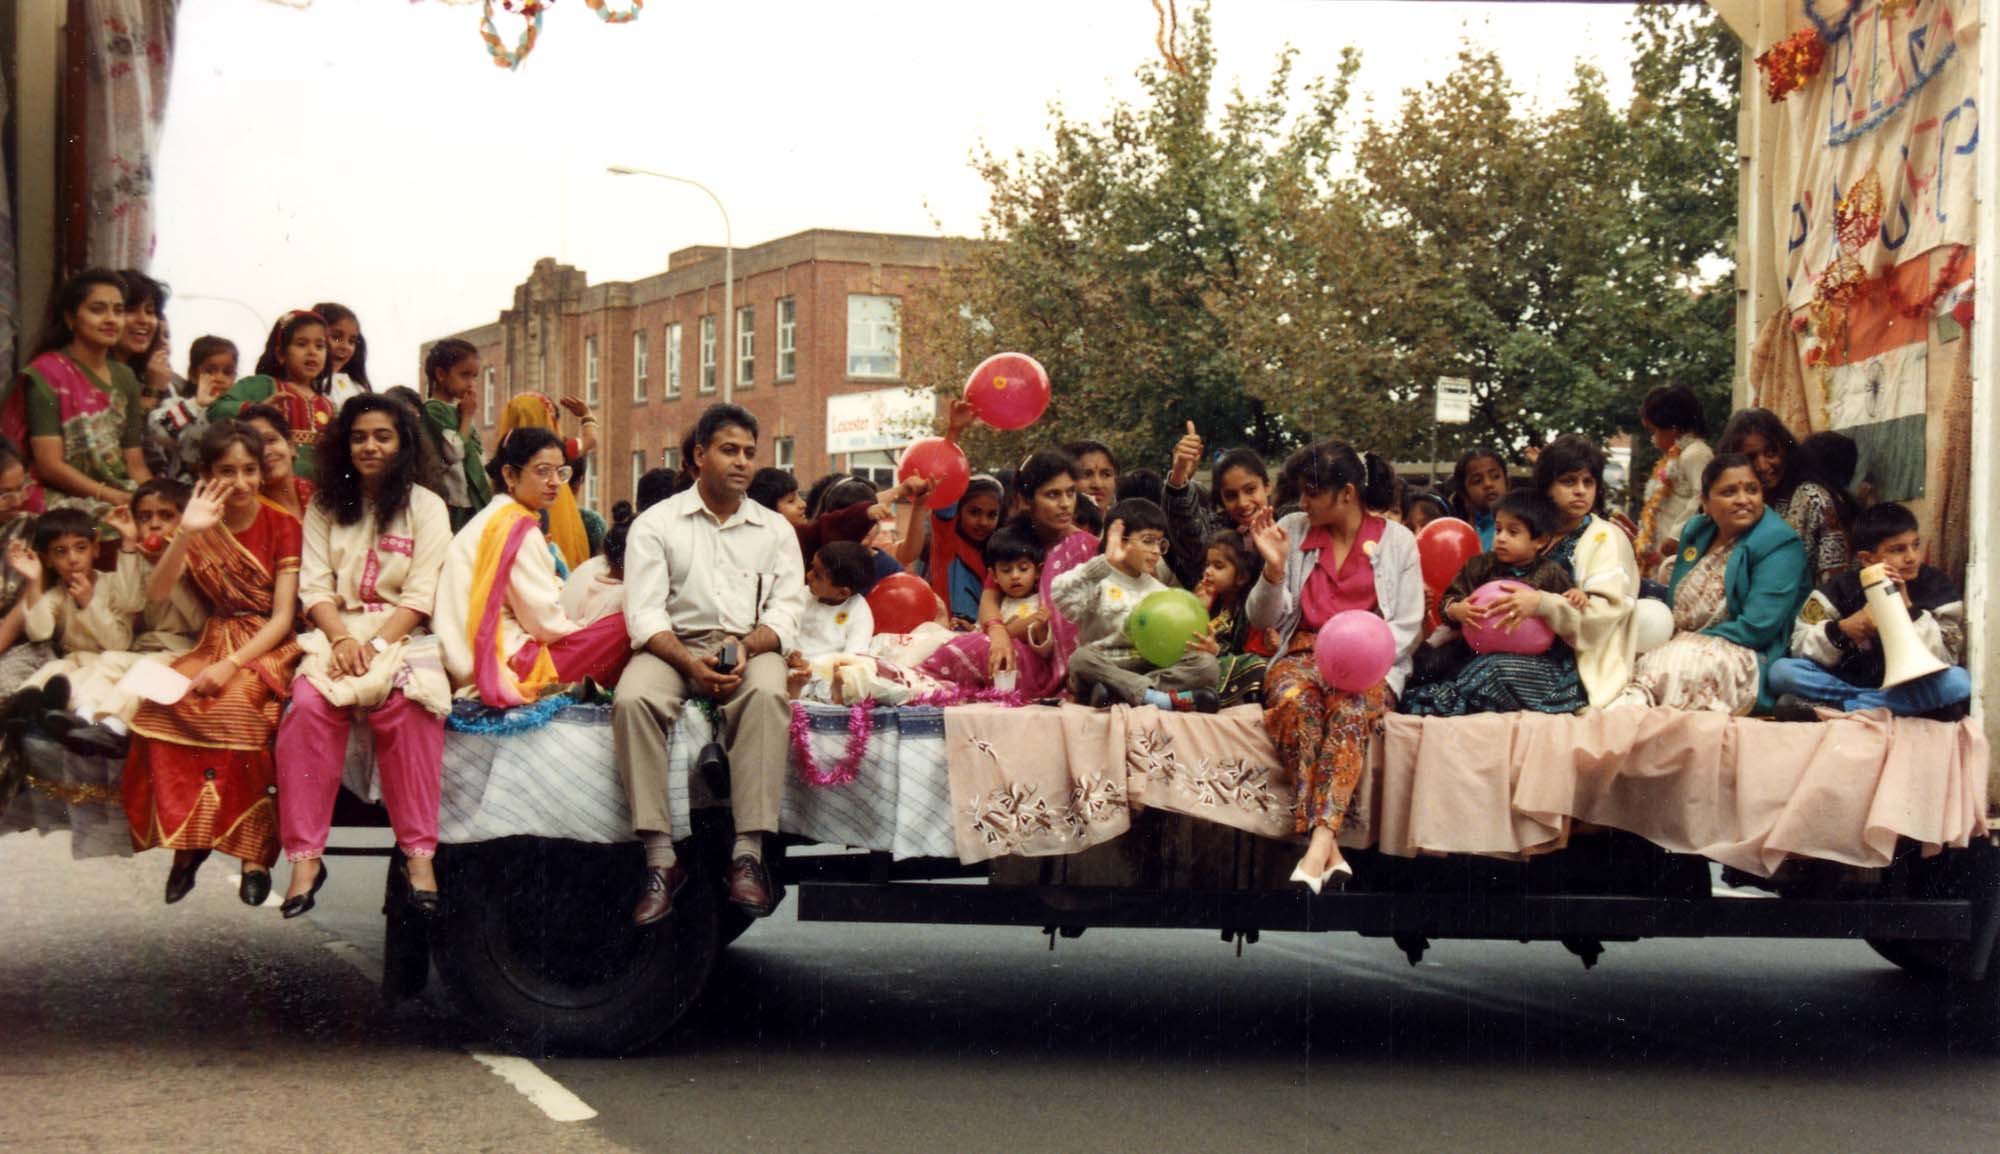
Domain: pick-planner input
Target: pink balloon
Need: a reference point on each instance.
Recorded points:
(1354, 651)
(1530, 637)
(1008, 390)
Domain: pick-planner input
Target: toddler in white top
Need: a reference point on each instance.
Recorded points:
(837, 619)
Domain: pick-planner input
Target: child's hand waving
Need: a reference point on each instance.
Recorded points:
(1271, 543)
(1116, 550)
(204, 508)
(22, 560)
(120, 519)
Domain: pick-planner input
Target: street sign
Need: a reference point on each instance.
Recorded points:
(1454, 401)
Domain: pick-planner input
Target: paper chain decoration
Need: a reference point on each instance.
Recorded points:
(531, 11)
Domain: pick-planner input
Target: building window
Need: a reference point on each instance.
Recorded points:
(781, 453)
(746, 347)
(638, 470)
(874, 336)
(673, 361)
(670, 458)
(590, 481)
(707, 355)
(486, 397)
(788, 334)
(640, 357)
(590, 370)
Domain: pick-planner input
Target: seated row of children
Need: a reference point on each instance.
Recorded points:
(78, 618)
(1833, 661)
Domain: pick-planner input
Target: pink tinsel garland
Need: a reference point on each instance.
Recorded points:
(861, 727)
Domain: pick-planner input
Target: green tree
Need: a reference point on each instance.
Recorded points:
(1115, 257)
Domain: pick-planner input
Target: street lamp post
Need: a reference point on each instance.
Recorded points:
(725, 353)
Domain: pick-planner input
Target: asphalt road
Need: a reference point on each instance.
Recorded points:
(128, 1025)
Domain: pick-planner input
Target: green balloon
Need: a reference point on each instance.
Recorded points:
(1164, 622)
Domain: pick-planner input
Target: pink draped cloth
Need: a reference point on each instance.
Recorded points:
(1740, 791)
(1743, 792)
(962, 660)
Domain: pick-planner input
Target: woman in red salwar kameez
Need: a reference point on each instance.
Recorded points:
(200, 775)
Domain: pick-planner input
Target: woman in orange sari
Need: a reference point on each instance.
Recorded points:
(535, 411)
(200, 775)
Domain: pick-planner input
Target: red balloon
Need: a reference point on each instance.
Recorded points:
(1444, 546)
(942, 464)
(1008, 390)
(901, 602)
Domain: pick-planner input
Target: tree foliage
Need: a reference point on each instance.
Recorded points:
(1275, 270)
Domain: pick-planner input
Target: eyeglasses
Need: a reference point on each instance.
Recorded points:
(560, 474)
(13, 496)
(1153, 541)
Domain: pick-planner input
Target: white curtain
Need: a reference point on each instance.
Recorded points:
(130, 59)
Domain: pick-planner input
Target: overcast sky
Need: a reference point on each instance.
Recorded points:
(368, 151)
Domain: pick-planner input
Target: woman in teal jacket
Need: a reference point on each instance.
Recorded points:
(1735, 586)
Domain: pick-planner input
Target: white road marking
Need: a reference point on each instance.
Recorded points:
(547, 1094)
(351, 954)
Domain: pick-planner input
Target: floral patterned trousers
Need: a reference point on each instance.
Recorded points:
(1322, 735)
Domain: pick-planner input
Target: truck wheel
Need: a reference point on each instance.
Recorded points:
(537, 948)
(1929, 961)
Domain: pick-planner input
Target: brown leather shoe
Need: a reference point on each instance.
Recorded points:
(750, 887)
(662, 884)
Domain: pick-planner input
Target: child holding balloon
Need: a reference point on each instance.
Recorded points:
(1109, 668)
(1502, 673)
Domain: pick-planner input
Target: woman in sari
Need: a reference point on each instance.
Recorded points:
(200, 775)
(499, 616)
(75, 407)
(535, 411)
(375, 543)
(1047, 482)
(282, 487)
(1735, 586)
(1331, 557)
(1805, 503)
(290, 378)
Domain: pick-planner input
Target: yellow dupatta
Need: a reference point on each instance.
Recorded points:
(535, 411)
(492, 568)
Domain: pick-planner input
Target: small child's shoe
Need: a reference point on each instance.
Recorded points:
(1099, 696)
(1196, 701)
(96, 741)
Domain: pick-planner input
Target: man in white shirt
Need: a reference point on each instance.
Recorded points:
(704, 568)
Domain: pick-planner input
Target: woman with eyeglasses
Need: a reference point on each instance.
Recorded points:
(499, 616)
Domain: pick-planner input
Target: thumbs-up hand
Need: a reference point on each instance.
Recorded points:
(1187, 458)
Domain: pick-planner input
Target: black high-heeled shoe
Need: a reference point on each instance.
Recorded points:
(255, 887)
(426, 903)
(294, 906)
(180, 879)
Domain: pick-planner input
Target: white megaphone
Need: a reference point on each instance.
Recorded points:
(1904, 657)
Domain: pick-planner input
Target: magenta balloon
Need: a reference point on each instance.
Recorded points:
(1008, 390)
(1354, 651)
(1531, 637)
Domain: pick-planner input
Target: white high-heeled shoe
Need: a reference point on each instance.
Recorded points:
(1338, 869)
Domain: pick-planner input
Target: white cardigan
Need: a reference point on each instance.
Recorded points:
(1399, 592)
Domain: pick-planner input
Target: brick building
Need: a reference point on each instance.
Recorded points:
(818, 347)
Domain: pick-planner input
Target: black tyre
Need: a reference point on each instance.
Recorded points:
(537, 948)
(1929, 961)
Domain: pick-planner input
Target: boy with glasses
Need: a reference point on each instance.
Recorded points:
(1100, 594)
